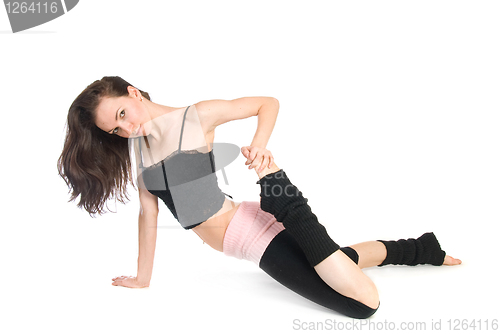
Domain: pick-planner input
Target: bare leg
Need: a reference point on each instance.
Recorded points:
(341, 273)
(345, 277)
(373, 253)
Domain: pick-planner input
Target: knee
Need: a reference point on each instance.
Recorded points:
(364, 312)
(367, 303)
(368, 295)
(361, 309)
(363, 303)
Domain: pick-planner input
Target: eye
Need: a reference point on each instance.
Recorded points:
(115, 130)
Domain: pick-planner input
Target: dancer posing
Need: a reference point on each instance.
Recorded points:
(111, 119)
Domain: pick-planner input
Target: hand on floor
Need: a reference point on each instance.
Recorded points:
(128, 282)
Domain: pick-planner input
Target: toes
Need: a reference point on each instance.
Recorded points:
(451, 261)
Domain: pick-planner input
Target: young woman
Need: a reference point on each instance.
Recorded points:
(111, 118)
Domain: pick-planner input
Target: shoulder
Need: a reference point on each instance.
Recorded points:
(209, 112)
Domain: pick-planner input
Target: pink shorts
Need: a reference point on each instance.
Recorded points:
(249, 232)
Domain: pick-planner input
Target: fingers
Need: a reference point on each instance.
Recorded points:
(266, 163)
(258, 158)
(119, 280)
(256, 161)
(271, 162)
(245, 151)
(250, 153)
(262, 165)
(254, 154)
(128, 282)
(262, 161)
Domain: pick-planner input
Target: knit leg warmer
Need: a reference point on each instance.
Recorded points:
(285, 202)
(423, 250)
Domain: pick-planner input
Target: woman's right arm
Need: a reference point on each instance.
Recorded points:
(148, 217)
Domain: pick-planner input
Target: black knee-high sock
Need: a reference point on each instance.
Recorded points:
(423, 250)
(283, 200)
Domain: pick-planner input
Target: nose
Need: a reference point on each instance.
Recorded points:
(129, 128)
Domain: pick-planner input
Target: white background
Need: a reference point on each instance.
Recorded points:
(389, 124)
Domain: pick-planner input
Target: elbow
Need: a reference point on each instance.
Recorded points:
(275, 102)
(269, 103)
(151, 212)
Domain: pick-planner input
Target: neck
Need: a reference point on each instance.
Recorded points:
(156, 110)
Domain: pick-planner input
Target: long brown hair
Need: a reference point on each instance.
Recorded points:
(94, 164)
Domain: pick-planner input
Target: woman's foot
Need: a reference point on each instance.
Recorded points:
(451, 261)
(267, 170)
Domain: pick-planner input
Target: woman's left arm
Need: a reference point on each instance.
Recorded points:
(213, 113)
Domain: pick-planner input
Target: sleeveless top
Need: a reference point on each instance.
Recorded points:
(186, 182)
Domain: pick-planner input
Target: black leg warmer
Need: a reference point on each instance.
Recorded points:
(423, 250)
(284, 201)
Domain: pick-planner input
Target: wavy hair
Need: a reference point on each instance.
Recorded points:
(94, 164)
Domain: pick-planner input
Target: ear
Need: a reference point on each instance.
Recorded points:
(133, 92)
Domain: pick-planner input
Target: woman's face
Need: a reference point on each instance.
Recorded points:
(124, 116)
